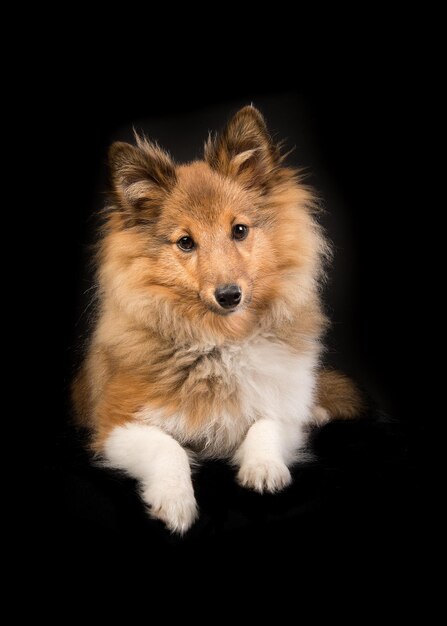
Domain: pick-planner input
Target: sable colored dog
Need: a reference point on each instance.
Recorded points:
(208, 336)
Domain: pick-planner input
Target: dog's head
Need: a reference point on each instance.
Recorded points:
(217, 241)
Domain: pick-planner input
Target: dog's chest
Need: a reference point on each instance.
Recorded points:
(265, 373)
(258, 378)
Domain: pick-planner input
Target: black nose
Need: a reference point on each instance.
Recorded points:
(228, 296)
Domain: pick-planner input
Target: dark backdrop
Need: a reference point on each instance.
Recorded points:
(363, 486)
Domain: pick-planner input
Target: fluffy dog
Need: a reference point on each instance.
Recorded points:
(208, 334)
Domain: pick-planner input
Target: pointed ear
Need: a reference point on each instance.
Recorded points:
(141, 175)
(244, 150)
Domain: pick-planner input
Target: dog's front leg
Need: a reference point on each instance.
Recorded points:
(264, 455)
(162, 467)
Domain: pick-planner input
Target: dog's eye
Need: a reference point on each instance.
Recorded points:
(186, 244)
(240, 231)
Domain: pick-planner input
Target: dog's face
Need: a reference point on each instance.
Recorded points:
(211, 245)
(213, 237)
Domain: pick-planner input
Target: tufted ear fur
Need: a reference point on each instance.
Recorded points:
(141, 177)
(244, 150)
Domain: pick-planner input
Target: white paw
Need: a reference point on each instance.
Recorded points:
(265, 475)
(176, 507)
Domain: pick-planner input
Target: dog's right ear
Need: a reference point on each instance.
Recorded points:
(141, 175)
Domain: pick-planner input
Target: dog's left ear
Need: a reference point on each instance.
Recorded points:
(244, 150)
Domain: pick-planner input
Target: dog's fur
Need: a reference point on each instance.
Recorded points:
(170, 376)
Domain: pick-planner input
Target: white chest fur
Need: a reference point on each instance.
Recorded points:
(272, 382)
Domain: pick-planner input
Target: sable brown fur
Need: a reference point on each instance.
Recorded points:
(338, 395)
(158, 341)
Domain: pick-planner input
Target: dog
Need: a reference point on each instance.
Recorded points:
(209, 328)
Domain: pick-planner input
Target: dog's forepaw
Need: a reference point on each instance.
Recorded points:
(264, 475)
(176, 508)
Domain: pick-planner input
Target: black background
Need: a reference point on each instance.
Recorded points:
(361, 495)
